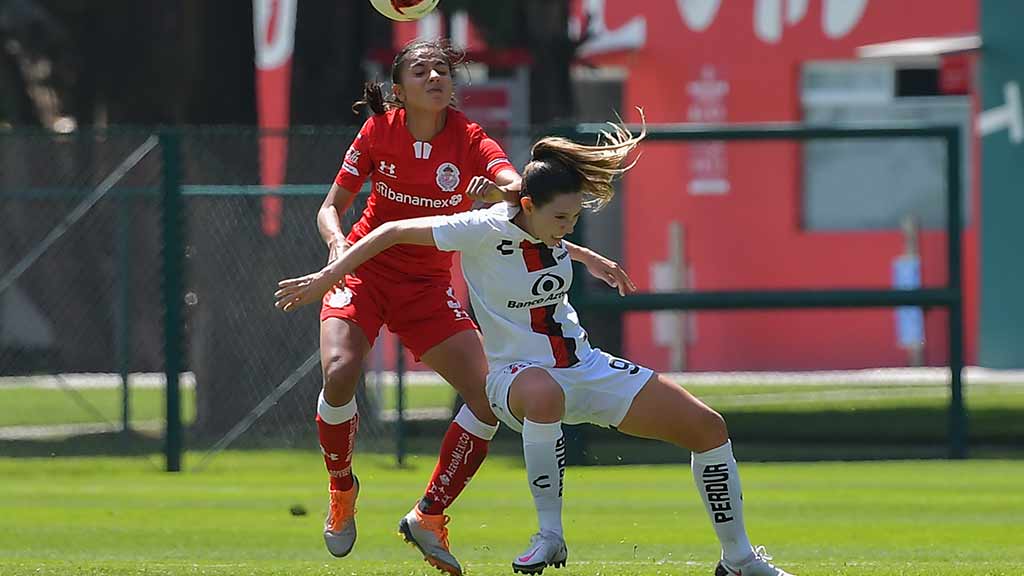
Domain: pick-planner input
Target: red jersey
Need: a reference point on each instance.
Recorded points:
(411, 179)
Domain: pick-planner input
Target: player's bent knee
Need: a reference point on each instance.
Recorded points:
(712, 431)
(480, 406)
(543, 409)
(341, 376)
(716, 426)
(545, 405)
(536, 396)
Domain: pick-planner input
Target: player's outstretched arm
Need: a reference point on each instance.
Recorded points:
(293, 293)
(602, 268)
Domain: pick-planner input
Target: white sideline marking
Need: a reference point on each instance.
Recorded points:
(88, 380)
(51, 431)
(873, 377)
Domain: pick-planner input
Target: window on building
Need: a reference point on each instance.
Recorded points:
(877, 184)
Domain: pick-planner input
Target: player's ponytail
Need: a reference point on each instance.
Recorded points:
(375, 100)
(558, 166)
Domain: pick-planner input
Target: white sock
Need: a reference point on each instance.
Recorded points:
(470, 423)
(544, 451)
(718, 482)
(334, 415)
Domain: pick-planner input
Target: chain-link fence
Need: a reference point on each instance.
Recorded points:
(81, 346)
(83, 352)
(82, 311)
(82, 315)
(238, 246)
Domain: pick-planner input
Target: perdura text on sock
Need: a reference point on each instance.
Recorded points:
(560, 456)
(716, 484)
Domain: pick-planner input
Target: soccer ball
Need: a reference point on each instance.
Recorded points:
(405, 10)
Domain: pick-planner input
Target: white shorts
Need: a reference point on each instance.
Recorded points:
(599, 390)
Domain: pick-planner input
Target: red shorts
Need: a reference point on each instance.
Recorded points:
(422, 312)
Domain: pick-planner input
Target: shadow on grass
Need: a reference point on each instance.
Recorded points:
(855, 434)
(99, 444)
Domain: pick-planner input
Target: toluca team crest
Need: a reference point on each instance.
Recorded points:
(448, 177)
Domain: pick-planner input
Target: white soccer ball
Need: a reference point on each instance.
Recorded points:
(405, 10)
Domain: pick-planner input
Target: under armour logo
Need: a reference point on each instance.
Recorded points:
(387, 169)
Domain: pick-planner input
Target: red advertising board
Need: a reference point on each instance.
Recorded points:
(739, 206)
(712, 216)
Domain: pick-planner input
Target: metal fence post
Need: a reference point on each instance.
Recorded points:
(954, 188)
(172, 224)
(399, 402)
(123, 324)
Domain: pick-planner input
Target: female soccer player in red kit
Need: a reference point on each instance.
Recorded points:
(424, 158)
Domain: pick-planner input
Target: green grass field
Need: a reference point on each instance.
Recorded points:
(115, 516)
(907, 413)
(26, 405)
(42, 406)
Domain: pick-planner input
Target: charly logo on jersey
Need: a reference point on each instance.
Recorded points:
(448, 177)
(548, 288)
(505, 248)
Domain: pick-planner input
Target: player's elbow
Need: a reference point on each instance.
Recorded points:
(321, 214)
(411, 231)
(388, 233)
(392, 233)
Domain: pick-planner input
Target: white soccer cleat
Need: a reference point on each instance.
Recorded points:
(546, 549)
(429, 534)
(756, 565)
(340, 525)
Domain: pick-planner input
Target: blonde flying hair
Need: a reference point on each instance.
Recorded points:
(559, 165)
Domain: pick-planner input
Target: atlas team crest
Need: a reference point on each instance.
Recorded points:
(448, 177)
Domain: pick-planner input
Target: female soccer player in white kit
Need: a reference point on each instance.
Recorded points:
(543, 371)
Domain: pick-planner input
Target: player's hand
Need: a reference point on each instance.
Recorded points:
(485, 190)
(610, 271)
(294, 293)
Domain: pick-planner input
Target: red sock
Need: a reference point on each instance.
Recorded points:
(461, 456)
(336, 443)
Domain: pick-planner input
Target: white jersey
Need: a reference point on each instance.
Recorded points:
(519, 289)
